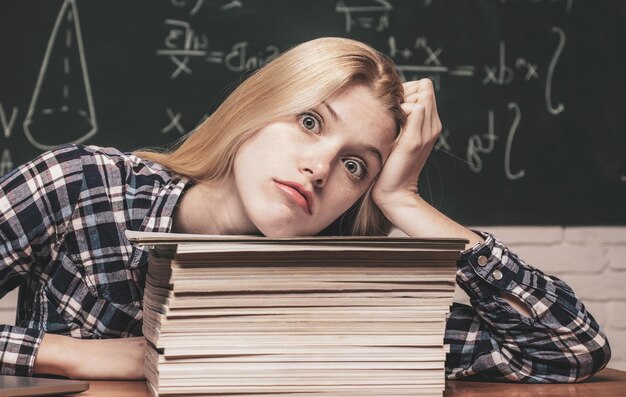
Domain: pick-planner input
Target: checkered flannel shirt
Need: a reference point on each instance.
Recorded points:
(62, 222)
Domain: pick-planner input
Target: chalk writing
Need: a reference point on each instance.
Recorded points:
(57, 112)
(475, 145)
(182, 43)
(374, 16)
(183, 3)
(531, 68)
(442, 141)
(238, 59)
(509, 144)
(174, 123)
(502, 74)
(215, 57)
(430, 66)
(483, 144)
(231, 4)
(555, 58)
(6, 163)
(7, 124)
(225, 5)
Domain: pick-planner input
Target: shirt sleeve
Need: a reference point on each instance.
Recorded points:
(34, 206)
(559, 342)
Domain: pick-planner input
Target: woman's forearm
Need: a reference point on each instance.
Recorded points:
(415, 217)
(52, 356)
(96, 359)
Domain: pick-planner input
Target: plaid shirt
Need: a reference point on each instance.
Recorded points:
(62, 222)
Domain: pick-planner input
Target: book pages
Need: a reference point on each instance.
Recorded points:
(327, 316)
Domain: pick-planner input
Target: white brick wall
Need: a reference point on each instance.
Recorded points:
(592, 260)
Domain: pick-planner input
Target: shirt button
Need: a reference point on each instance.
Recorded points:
(497, 274)
(482, 260)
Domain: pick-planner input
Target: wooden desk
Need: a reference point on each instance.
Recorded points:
(606, 383)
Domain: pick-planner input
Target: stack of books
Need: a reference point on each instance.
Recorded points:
(324, 316)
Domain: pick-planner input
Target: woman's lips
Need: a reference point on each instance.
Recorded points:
(295, 195)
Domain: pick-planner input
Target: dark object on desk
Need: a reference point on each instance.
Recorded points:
(27, 386)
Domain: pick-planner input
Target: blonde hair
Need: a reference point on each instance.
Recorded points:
(296, 81)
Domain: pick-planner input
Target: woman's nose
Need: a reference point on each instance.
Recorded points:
(317, 166)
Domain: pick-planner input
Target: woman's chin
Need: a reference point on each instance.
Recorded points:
(281, 223)
(282, 229)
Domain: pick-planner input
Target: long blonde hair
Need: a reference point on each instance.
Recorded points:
(298, 80)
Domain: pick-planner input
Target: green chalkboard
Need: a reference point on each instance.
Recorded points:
(532, 93)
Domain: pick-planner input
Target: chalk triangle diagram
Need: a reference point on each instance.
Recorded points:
(61, 109)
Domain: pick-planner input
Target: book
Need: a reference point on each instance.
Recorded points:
(314, 316)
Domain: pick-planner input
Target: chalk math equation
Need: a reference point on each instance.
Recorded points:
(187, 48)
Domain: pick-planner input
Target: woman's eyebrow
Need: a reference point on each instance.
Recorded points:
(373, 150)
(367, 147)
(332, 112)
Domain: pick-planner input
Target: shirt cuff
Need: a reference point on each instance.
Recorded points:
(489, 268)
(20, 346)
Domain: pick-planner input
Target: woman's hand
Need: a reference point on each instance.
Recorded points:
(397, 182)
(95, 359)
(395, 191)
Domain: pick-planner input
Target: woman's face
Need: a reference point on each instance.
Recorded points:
(299, 173)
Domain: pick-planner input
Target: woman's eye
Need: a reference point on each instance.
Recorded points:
(310, 122)
(356, 168)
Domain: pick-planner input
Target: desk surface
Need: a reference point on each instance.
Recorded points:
(606, 383)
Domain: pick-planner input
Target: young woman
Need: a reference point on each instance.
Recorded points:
(326, 129)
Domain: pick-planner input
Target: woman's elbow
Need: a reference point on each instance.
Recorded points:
(577, 361)
(591, 357)
(571, 362)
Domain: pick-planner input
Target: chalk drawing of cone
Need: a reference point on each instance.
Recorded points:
(61, 109)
